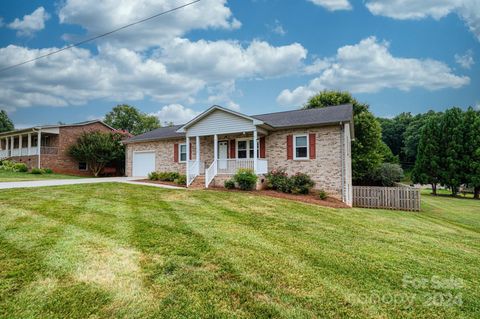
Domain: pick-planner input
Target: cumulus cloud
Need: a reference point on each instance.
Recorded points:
(175, 113)
(224, 60)
(101, 16)
(277, 28)
(369, 67)
(30, 23)
(466, 60)
(468, 10)
(333, 5)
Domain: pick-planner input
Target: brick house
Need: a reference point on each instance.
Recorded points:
(214, 145)
(52, 150)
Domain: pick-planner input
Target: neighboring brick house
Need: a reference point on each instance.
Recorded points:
(214, 145)
(52, 151)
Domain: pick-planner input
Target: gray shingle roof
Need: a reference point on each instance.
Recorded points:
(326, 115)
(296, 118)
(158, 134)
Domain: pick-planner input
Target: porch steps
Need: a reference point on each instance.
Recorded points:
(198, 182)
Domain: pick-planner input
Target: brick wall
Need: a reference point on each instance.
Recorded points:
(325, 169)
(62, 162)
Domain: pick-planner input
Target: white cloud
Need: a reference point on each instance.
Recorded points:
(221, 94)
(468, 10)
(466, 60)
(277, 28)
(369, 67)
(225, 60)
(175, 113)
(30, 23)
(333, 5)
(101, 16)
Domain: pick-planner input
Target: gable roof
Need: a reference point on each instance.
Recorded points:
(271, 121)
(220, 108)
(41, 127)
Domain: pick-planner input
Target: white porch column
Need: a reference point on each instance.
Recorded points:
(39, 145)
(255, 156)
(20, 138)
(29, 143)
(12, 144)
(6, 145)
(197, 153)
(187, 147)
(215, 152)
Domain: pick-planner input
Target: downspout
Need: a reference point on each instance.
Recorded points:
(342, 153)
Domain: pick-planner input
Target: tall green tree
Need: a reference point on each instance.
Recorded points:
(98, 149)
(367, 150)
(393, 131)
(471, 150)
(452, 160)
(5, 123)
(427, 168)
(411, 136)
(129, 118)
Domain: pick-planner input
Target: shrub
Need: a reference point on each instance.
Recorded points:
(153, 176)
(246, 179)
(48, 171)
(20, 167)
(386, 175)
(322, 194)
(279, 180)
(36, 171)
(181, 180)
(301, 183)
(229, 184)
(8, 165)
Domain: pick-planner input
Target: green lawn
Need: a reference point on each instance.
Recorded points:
(128, 251)
(6, 176)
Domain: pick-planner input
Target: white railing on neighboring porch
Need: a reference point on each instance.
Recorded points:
(210, 173)
(193, 171)
(25, 151)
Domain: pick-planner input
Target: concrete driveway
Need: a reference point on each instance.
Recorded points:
(60, 182)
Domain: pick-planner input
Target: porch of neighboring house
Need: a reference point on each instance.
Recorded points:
(23, 145)
(222, 155)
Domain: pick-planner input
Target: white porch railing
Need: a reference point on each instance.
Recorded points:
(46, 150)
(231, 166)
(193, 171)
(210, 173)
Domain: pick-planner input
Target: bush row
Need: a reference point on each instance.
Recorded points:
(174, 177)
(299, 183)
(12, 166)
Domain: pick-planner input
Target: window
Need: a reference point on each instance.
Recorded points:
(183, 152)
(245, 148)
(82, 166)
(300, 146)
(242, 149)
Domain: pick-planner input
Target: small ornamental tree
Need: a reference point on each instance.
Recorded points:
(427, 165)
(98, 149)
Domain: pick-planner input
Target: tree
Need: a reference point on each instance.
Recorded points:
(427, 165)
(471, 150)
(411, 136)
(98, 149)
(393, 131)
(5, 122)
(129, 118)
(452, 151)
(367, 149)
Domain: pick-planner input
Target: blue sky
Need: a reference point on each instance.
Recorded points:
(254, 56)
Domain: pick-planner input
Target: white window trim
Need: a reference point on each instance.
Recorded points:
(295, 147)
(180, 152)
(248, 147)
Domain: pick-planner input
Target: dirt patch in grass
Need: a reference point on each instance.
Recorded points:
(311, 198)
(160, 183)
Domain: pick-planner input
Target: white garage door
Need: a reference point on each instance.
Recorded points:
(143, 163)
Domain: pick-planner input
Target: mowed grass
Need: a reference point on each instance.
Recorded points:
(6, 176)
(128, 251)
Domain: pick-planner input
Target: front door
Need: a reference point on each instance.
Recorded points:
(222, 154)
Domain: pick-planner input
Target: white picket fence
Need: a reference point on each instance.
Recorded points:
(400, 198)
